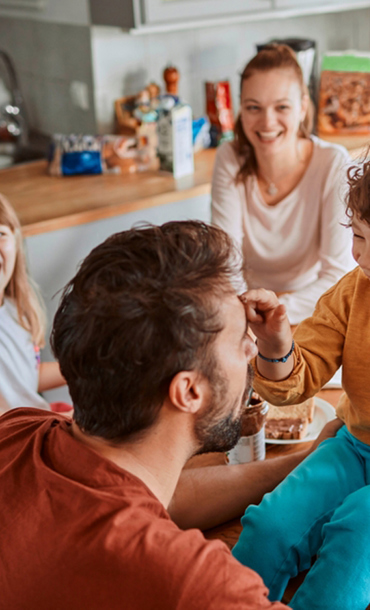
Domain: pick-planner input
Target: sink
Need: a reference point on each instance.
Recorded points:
(12, 154)
(28, 153)
(7, 150)
(6, 161)
(19, 142)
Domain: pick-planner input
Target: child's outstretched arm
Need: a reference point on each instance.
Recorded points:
(50, 376)
(269, 322)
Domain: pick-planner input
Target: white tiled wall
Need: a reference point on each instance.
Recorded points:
(48, 57)
(123, 64)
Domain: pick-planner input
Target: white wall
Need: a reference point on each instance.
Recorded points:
(123, 63)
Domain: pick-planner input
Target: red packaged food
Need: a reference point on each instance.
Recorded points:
(219, 111)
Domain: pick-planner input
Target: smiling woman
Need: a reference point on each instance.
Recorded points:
(278, 191)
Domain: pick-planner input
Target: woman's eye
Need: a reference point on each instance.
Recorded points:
(283, 107)
(358, 236)
(251, 108)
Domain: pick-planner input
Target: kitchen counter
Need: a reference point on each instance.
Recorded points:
(46, 203)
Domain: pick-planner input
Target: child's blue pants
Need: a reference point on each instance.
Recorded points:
(322, 508)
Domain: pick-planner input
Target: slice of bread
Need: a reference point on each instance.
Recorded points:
(289, 422)
(303, 410)
(286, 428)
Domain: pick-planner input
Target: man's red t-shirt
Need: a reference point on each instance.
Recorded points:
(79, 533)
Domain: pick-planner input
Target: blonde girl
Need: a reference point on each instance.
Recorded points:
(22, 324)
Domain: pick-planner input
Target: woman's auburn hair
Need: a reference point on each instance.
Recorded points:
(21, 289)
(272, 57)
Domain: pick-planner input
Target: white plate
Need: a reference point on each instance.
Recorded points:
(323, 413)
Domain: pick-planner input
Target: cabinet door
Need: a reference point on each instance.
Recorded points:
(155, 11)
(307, 4)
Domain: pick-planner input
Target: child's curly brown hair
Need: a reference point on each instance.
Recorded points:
(358, 198)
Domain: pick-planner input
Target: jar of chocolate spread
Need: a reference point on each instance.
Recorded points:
(251, 445)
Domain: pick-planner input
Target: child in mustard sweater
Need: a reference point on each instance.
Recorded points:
(323, 507)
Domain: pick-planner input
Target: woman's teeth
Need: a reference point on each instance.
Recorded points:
(268, 136)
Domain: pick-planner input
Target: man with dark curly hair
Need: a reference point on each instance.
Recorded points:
(152, 340)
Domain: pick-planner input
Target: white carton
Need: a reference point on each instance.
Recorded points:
(175, 140)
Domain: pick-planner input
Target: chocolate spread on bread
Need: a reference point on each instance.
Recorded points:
(287, 428)
(289, 422)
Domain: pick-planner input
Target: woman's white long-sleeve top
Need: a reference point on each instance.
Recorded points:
(297, 246)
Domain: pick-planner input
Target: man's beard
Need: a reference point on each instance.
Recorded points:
(213, 433)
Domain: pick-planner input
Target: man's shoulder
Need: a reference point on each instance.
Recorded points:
(20, 430)
(110, 529)
(23, 418)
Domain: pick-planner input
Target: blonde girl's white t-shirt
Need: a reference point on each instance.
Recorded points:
(19, 362)
(297, 246)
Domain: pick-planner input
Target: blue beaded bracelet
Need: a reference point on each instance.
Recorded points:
(284, 359)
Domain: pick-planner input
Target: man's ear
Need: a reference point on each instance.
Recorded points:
(188, 391)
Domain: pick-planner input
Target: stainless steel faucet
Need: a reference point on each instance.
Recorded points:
(13, 115)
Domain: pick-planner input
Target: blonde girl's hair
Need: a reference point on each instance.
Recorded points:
(273, 56)
(21, 288)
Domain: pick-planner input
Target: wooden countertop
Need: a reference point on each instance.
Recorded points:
(47, 203)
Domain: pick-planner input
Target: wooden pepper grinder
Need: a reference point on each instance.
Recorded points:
(171, 77)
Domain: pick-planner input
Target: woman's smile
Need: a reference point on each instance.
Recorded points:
(268, 136)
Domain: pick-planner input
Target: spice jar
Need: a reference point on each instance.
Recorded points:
(251, 445)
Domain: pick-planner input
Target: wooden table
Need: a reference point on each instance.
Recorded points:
(229, 532)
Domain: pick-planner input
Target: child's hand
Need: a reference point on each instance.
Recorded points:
(268, 321)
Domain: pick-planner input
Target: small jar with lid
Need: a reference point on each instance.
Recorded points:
(251, 445)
